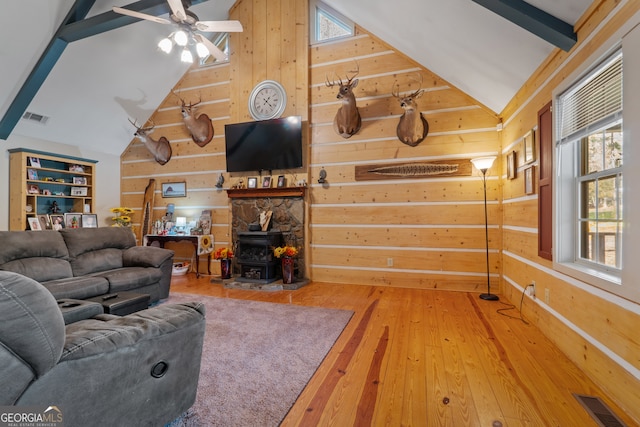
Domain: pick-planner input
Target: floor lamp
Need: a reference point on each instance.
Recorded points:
(483, 164)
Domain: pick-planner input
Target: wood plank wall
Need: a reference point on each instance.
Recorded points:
(597, 331)
(423, 232)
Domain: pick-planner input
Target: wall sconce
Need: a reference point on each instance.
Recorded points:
(323, 176)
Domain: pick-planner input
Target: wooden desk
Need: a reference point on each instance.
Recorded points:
(150, 238)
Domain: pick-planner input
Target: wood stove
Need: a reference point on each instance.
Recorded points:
(255, 256)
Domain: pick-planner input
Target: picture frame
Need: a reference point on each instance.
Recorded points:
(528, 180)
(266, 182)
(72, 219)
(32, 174)
(89, 221)
(44, 222)
(252, 182)
(174, 189)
(34, 223)
(80, 180)
(34, 162)
(56, 221)
(76, 168)
(33, 189)
(281, 181)
(512, 166)
(79, 191)
(529, 147)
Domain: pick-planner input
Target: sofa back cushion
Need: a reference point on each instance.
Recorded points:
(92, 250)
(41, 255)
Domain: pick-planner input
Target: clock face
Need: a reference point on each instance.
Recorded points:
(267, 101)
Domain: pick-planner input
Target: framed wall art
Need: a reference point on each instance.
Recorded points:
(528, 180)
(512, 166)
(174, 189)
(529, 147)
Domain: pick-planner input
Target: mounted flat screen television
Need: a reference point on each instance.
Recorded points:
(264, 145)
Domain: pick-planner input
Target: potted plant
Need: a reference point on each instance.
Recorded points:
(224, 255)
(287, 254)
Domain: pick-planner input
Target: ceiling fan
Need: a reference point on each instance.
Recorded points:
(188, 24)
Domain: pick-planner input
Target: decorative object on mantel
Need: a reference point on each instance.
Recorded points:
(432, 169)
(224, 255)
(347, 121)
(287, 255)
(265, 219)
(412, 127)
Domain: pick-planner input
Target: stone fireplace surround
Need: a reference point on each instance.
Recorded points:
(287, 205)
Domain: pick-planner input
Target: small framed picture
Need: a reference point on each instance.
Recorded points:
(34, 223)
(528, 180)
(32, 174)
(76, 168)
(252, 182)
(529, 147)
(81, 180)
(281, 181)
(89, 221)
(174, 189)
(78, 191)
(72, 219)
(33, 189)
(44, 222)
(266, 182)
(56, 221)
(511, 165)
(34, 162)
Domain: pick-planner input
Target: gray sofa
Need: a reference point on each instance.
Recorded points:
(136, 370)
(87, 262)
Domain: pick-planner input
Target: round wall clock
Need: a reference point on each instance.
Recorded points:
(267, 101)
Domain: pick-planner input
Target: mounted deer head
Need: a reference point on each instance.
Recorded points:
(347, 121)
(200, 128)
(160, 149)
(413, 127)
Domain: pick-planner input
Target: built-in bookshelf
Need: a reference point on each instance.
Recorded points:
(43, 184)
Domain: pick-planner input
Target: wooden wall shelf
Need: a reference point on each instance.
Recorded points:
(245, 193)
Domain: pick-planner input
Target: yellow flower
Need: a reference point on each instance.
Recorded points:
(286, 251)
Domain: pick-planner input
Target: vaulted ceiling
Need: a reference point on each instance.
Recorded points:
(100, 81)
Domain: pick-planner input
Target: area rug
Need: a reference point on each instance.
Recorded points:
(257, 359)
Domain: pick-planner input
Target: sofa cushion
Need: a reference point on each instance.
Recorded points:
(40, 269)
(81, 240)
(127, 278)
(146, 256)
(77, 287)
(40, 255)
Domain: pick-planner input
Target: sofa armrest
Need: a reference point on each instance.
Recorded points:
(145, 256)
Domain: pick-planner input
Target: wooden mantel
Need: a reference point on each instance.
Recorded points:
(244, 193)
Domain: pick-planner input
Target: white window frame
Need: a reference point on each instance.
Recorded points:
(314, 7)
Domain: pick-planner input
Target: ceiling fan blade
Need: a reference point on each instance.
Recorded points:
(213, 49)
(140, 15)
(177, 9)
(219, 26)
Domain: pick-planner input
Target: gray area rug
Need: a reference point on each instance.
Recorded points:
(257, 359)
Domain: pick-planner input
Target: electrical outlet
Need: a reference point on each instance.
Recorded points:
(531, 289)
(547, 294)
(389, 262)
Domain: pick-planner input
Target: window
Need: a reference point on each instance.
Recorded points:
(327, 24)
(221, 40)
(589, 192)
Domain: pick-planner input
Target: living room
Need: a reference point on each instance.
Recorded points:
(423, 233)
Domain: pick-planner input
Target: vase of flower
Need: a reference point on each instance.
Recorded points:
(287, 270)
(224, 255)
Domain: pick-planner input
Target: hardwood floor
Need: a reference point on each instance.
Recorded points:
(423, 358)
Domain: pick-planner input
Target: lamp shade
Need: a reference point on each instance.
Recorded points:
(165, 45)
(483, 163)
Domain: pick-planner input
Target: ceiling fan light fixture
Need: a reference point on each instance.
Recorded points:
(202, 50)
(165, 45)
(181, 38)
(186, 56)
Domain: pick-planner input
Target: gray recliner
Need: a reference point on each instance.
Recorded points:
(137, 370)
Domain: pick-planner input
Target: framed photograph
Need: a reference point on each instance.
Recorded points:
(529, 147)
(72, 219)
(528, 180)
(78, 191)
(34, 162)
(266, 182)
(512, 167)
(174, 189)
(56, 221)
(44, 222)
(34, 223)
(33, 189)
(81, 180)
(89, 221)
(76, 168)
(252, 182)
(32, 173)
(281, 181)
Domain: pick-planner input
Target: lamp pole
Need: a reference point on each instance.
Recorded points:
(488, 296)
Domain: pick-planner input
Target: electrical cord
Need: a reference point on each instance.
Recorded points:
(511, 307)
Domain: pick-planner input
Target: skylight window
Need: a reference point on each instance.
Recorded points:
(327, 24)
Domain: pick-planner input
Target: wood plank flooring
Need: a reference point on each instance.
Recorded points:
(413, 357)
